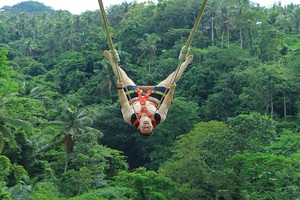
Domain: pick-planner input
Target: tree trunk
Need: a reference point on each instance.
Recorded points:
(228, 38)
(241, 38)
(66, 164)
(149, 65)
(212, 32)
(217, 196)
(272, 107)
(222, 43)
(284, 106)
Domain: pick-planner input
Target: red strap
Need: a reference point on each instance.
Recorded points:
(142, 100)
(136, 122)
(153, 120)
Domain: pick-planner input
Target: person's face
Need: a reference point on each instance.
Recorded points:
(145, 126)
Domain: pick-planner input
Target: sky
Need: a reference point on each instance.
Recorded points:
(74, 6)
(79, 6)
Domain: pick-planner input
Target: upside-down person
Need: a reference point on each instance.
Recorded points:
(145, 109)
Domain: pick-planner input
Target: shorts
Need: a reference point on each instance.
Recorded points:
(158, 92)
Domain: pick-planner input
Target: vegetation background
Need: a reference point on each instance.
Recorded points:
(232, 131)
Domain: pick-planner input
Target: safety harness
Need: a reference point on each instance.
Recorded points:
(142, 100)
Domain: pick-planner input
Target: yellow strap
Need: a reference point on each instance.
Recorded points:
(153, 92)
(130, 92)
(159, 92)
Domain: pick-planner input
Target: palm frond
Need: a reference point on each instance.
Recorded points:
(56, 140)
(18, 122)
(1, 142)
(82, 113)
(36, 90)
(57, 122)
(4, 131)
(37, 93)
(87, 128)
(84, 121)
(60, 124)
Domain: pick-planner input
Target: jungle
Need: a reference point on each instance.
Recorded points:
(232, 131)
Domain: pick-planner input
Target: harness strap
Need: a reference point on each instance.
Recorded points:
(129, 92)
(143, 99)
(136, 123)
(163, 94)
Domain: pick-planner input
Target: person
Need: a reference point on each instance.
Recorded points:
(145, 109)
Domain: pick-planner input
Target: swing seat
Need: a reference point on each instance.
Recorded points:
(146, 88)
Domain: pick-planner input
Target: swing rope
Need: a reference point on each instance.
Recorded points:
(185, 49)
(114, 54)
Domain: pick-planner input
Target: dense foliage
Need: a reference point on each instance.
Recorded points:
(232, 131)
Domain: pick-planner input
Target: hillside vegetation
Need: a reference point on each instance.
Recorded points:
(232, 131)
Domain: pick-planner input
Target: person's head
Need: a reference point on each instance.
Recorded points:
(145, 126)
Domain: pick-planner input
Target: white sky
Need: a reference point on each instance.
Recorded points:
(79, 6)
(74, 6)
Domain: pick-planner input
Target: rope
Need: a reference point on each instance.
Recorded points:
(114, 54)
(185, 49)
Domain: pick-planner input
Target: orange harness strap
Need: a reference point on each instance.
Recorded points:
(143, 100)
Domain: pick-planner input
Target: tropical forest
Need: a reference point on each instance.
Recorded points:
(232, 130)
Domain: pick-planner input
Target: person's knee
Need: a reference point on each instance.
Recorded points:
(128, 82)
(164, 83)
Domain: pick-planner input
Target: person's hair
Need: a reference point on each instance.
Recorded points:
(146, 135)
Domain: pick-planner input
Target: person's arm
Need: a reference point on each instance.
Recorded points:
(126, 109)
(163, 109)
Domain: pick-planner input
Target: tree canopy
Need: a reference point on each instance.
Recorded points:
(232, 131)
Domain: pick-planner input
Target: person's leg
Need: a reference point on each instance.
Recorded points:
(171, 78)
(123, 77)
(162, 89)
(119, 73)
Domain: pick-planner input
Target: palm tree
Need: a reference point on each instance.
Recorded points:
(52, 46)
(77, 22)
(148, 48)
(296, 17)
(272, 16)
(87, 17)
(225, 22)
(69, 40)
(5, 130)
(11, 23)
(22, 24)
(212, 10)
(31, 92)
(28, 47)
(116, 13)
(33, 22)
(241, 19)
(73, 121)
(104, 77)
